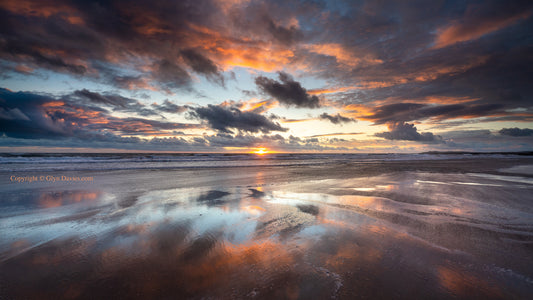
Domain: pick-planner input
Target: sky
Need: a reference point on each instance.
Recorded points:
(288, 76)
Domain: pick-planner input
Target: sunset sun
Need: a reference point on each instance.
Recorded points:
(260, 151)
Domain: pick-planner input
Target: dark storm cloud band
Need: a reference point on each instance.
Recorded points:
(32, 116)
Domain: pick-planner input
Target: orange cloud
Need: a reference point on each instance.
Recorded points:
(24, 69)
(342, 55)
(435, 72)
(462, 31)
(227, 5)
(253, 105)
(332, 90)
(267, 59)
(36, 8)
(260, 106)
(53, 104)
(230, 52)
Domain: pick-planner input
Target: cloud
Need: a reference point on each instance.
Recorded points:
(27, 115)
(468, 134)
(344, 57)
(117, 102)
(202, 65)
(252, 105)
(286, 35)
(487, 76)
(226, 118)
(12, 114)
(408, 132)
(162, 43)
(516, 131)
(287, 91)
(371, 51)
(169, 107)
(170, 75)
(403, 112)
(337, 119)
(480, 20)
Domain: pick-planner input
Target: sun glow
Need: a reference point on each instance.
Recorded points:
(260, 151)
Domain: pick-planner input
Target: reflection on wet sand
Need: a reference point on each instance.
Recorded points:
(48, 200)
(353, 238)
(463, 284)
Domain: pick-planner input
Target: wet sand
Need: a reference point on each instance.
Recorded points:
(384, 229)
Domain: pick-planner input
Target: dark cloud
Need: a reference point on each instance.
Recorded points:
(224, 118)
(117, 102)
(287, 91)
(394, 112)
(23, 116)
(127, 82)
(52, 62)
(101, 40)
(516, 131)
(45, 41)
(108, 140)
(467, 134)
(403, 112)
(480, 19)
(286, 35)
(485, 68)
(31, 116)
(139, 126)
(408, 132)
(170, 75)
(337, 119)
(202, 65)
(169, 107)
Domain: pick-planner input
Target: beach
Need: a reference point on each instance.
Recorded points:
(275, 226)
